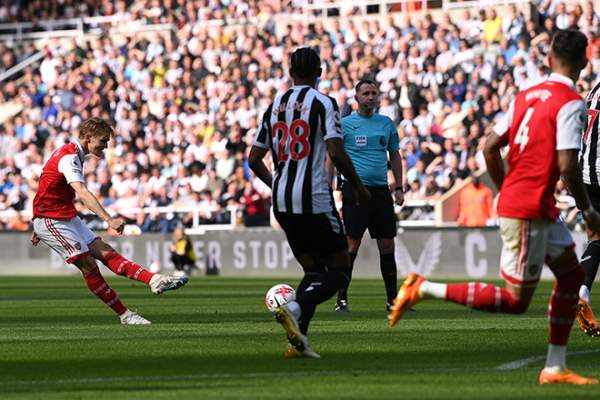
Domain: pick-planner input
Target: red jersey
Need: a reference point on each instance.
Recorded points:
(542, 120)
(54, 198)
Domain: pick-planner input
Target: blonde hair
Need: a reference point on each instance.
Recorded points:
(95, 127)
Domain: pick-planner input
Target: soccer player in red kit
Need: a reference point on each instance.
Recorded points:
(543, 129)
(55, 222)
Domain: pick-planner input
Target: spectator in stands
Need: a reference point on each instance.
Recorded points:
(183, 103)
(476, 208)
(183, 255)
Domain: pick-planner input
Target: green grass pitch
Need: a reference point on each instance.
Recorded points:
(214, 339)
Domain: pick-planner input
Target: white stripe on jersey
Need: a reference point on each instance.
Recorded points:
(590, 162)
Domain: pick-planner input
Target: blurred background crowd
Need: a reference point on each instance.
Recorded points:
(186, 103)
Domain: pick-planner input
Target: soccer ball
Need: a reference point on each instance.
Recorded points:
(279, 295)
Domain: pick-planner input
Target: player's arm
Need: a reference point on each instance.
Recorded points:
(570, 123)
(72, 169)
(493, 157)
(259, 149)
(257, 165)
(92, 203)
(495, 142)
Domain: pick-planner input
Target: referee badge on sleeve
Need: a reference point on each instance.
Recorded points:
(360, 140)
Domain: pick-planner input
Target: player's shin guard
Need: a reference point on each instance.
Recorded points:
(387, 264)
(97, 285)
(343, 293)
(481, 296)
(590, 261)
(563, 303)
(124, 267)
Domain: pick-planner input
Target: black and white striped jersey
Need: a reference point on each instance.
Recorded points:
(295, 128)
(590, 149)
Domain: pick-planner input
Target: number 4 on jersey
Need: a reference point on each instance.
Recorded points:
(522, 136)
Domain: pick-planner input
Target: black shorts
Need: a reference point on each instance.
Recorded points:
(378, 215)
(594, 193)
(318, 234)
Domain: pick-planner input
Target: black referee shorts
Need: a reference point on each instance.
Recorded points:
(320, 234)
(594, 193)
(378, 216)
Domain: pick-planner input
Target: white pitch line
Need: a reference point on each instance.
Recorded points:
(524, 361)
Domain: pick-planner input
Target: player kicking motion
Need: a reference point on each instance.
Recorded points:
(55, 221)
(591, 256)
(543, 127)
(300, 127)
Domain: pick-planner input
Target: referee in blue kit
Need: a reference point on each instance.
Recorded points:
(368, 139)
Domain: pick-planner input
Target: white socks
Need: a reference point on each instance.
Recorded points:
(432, 290)
(584, 293)
(294, 309)
(556, 360)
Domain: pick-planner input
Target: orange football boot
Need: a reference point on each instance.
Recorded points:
(566, 376)
(408, 296)
(586, 319)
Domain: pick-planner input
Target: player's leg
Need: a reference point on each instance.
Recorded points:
(524, 247)
(563, 262)
(63, 237)
(312, 237)
(341, 304)
(589, 261)
(118, 264)
(356, 220)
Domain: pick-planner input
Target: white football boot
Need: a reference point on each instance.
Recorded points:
(132, 318)
(162, 283)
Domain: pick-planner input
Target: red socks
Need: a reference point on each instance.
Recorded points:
(97, 285)
(481, 296)
(563, 304)
(124, 267)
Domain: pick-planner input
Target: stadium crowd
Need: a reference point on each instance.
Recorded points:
(186, 103)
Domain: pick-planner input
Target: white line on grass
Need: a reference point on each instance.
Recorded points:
(524, 361)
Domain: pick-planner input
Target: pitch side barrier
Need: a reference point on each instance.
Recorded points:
(264, 252)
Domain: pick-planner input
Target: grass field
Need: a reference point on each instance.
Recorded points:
(215, 339)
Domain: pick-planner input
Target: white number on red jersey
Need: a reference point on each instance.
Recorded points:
(522, 136)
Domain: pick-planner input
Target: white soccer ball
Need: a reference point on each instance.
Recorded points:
(279, 295)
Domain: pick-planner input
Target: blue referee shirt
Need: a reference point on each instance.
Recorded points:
(367, 141)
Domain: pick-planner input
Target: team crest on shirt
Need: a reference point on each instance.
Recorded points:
(382, 141)
(428, 259)
(360, 140)
(78, 245)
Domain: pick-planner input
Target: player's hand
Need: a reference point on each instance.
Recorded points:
(34, 239)
(399, 197)
(363, 195)
(117, 224)
(592, 220)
